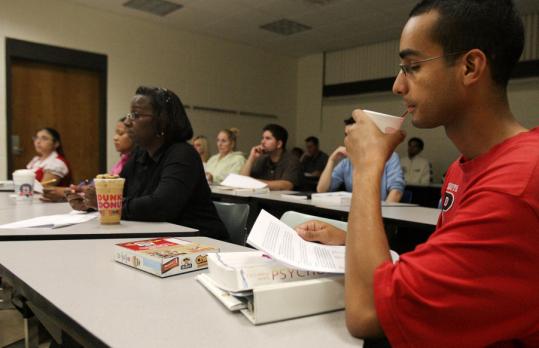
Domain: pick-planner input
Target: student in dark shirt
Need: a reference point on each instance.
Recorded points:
(270, 162)
(313, 161)
(164, 179)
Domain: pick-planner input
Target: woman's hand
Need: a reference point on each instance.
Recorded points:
(318, 231)
(53, 194)
(82, 197)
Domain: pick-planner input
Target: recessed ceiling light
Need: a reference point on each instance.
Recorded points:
(285, 27)
(155, 7)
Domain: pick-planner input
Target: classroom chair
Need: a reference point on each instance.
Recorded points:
(234, 216)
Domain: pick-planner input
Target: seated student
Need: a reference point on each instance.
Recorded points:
(123, 143)
(474, 282)
(271, 163)
(313, 161)
(200, 142)
(50, 164)
(228, 160)
(297, 151)
(339, 172)
(416, 168)
(164, 179)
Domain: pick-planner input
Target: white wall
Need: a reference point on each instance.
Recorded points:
(201, 70)
(309, 97)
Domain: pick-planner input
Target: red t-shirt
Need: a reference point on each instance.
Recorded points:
(475, 282)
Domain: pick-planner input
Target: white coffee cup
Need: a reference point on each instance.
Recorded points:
(386, 123)
(23, 180)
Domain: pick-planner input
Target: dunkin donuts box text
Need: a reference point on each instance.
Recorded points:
(164, 256)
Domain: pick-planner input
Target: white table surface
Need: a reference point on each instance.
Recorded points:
(11, 211)
(125, 307)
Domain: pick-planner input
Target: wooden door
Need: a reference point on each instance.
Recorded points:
(64, 98)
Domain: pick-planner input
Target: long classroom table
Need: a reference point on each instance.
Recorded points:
(407, 225)
(98, 302)
(11, 211)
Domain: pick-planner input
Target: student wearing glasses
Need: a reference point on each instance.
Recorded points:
(50, 165)
(164, 178)
(474, 282)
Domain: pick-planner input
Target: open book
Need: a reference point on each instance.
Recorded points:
(235, 183)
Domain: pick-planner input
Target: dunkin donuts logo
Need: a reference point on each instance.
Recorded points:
(109, 201)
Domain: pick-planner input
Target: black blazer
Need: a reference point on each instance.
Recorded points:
(171, 186)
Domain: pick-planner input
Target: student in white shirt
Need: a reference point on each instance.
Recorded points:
(417, 170)
(50, 164)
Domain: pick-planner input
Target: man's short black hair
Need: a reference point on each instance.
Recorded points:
(278, 132)
(418, 141)
(493, 26)
(171, 119)
(349, 121)
(313, 139)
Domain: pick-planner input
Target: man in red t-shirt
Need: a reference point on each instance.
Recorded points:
(475, 282)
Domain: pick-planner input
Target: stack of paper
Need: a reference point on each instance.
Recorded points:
(235, 183)
(332, 198)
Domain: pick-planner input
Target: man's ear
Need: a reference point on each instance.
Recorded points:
(279, 144)
(474, 66)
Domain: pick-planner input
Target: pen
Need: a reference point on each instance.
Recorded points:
(51, 181)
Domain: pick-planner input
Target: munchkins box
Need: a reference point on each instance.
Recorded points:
(164, 257)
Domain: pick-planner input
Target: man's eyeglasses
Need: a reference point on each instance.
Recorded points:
(411, 68)
(132, 116)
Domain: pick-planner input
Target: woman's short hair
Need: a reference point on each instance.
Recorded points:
(171, 120)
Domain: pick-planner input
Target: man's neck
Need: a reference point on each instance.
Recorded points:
(478, 129)
(276, 155)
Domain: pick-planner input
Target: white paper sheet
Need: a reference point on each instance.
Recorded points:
(280, 241)
(38, 188)
(52, 221)
(241, 181)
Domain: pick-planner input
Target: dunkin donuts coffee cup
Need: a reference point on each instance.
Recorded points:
(23, 180)
(109, 192)
(386, 123)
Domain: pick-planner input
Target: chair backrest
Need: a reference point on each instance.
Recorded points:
(234, 216)
(407, 196)
(293, 218)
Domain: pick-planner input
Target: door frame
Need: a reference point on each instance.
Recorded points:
(65, 57)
